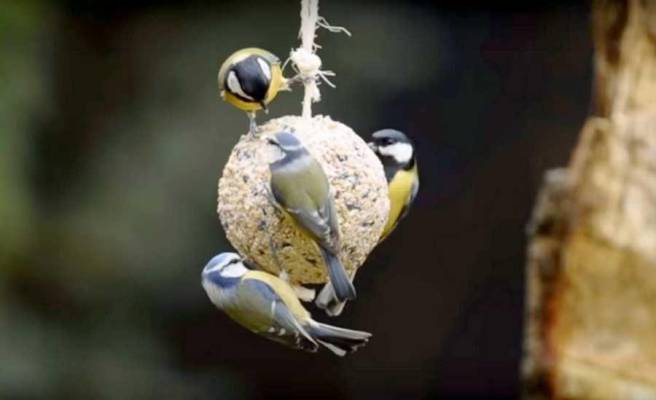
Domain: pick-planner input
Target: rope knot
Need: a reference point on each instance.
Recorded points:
(307, 62)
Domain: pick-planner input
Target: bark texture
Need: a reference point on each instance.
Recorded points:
(591, 271)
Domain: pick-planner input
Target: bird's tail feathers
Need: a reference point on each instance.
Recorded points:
(344, 289)
(338, 340)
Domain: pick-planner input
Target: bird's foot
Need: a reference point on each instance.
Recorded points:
(254, 130)
(304, 294)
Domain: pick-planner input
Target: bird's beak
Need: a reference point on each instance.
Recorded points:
(272, 140)
(264, 107)
(372, 146)
(248, 264)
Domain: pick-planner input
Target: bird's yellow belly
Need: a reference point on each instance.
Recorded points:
(241, 104)
(400, 190)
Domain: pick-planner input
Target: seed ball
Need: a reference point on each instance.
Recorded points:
(254, 226)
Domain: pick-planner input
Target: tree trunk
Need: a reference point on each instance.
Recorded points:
(591, 270)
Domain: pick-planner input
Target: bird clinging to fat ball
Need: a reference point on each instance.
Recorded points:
(300, 188)
(270, 238)
(250, 79)
(268, 306)
(397, 154)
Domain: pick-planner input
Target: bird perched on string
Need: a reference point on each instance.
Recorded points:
(397, 154)
(250, 79)
(268, 306)
(299, 187)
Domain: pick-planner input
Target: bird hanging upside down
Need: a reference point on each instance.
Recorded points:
(299, 187)
(268, 306)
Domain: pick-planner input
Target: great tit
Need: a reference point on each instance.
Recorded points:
(250, 79)
(300, 188)
(268, 306)
(397, 155)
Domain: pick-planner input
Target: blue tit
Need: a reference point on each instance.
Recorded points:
(268, 306)
(300, 188)
(397, 155)
(250, 79)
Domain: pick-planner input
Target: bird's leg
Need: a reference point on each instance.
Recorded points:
(252, 127)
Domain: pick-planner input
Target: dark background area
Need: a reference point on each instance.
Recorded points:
(112, 138)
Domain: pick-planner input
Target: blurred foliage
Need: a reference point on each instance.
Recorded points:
(23, 93)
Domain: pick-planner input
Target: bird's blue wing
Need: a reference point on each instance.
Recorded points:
(260, 299)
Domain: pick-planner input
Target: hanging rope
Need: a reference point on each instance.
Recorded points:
(305, 60)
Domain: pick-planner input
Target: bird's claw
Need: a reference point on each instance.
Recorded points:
(304, 294)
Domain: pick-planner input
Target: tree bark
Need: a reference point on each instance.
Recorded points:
(590, 325)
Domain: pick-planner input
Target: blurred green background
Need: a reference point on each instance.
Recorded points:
(112, 138)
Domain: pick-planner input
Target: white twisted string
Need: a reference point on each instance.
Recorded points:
(306, 62)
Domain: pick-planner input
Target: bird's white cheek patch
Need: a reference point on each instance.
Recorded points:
(264, 66)
(402, 152)
(234, 271)
(235, 87)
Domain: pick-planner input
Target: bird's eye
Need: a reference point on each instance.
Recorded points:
(388, 141)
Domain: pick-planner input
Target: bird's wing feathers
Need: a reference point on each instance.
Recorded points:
(318, 224)
(252, 305)
(329, 214)
(262, 302)
(320, 221)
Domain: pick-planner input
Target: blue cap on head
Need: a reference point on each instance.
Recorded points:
(224, 270)
(286, 141)
(219, 260)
